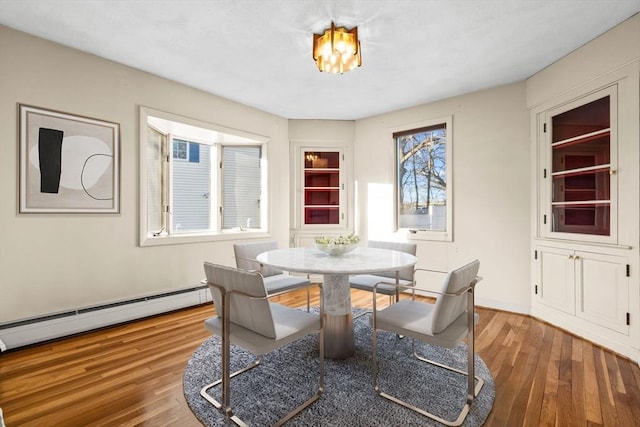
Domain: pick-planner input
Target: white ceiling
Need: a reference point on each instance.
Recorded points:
(258, 52)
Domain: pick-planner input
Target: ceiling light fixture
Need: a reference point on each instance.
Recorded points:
(337, 50)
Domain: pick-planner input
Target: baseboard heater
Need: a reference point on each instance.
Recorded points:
(29, 331)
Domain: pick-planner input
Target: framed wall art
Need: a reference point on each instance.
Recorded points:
(68, 163)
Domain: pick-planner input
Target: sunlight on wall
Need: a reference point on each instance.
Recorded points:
(380, 222)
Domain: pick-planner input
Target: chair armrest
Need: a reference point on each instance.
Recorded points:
(398, 286)
(286, 291)
(430, 270)
(455, 294)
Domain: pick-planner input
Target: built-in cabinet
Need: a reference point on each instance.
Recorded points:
(322, 183)
(579, 168)
(586, 233)
(591, 286)
(323, 188)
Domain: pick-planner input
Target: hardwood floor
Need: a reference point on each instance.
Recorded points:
(132, 374)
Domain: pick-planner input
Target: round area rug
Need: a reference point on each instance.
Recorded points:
(289, 376)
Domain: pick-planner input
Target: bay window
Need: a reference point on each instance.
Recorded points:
(199, 181)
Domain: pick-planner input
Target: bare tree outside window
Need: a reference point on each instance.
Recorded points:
(422, 178)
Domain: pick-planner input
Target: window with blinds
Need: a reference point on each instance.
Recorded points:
(241, 186)
(200, 181)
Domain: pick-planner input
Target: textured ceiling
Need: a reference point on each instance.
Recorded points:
(258, 52)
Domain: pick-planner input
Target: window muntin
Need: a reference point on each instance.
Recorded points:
(180, 149)
(423, 179)
(199, 180)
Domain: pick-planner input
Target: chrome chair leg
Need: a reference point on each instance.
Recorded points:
(471, 391)
(218, 405)
(204, 393)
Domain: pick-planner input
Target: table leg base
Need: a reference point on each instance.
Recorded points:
(338, 336)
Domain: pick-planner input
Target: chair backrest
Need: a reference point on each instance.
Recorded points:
(449, 308)
(410, 248)
(246, 254)
(251, 313)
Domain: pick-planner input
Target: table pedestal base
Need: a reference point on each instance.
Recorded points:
(338, 320)
(338, 336)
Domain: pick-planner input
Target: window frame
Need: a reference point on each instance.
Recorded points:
(445, 235)
(155, 238)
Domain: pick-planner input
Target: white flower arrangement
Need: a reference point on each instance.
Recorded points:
(337, 245)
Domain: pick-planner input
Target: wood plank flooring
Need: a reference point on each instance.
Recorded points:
(131, 374)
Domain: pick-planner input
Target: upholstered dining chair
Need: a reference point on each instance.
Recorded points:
(275, 280)
(445, 323)
(366, 282)
(246, 318)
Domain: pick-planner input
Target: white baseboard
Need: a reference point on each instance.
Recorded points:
(31, 331)
(500, 305)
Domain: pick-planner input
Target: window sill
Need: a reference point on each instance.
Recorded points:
(436, 236)
(179, 239)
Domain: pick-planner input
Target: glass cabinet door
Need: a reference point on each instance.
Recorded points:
(582, 173)
(322, 187)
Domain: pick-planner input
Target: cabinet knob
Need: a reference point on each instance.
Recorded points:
(577, 257)
(612, 171)
(570, 256)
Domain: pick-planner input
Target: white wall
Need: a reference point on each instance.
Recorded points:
(490, 188)
(614, 49)
(50, 263)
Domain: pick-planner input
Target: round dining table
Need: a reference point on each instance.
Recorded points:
(338, 317)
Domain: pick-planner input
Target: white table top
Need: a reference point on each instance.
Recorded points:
(361, 261)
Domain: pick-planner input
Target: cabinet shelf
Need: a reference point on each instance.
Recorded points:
(584, 138)
(585, 203)
(583, 171)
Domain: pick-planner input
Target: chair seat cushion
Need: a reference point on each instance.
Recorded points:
(414, 319)
(284, 282)
(366, 282)
(290, 324)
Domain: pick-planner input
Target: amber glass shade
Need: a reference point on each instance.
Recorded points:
(337, 50)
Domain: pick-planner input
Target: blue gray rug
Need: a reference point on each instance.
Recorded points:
(289, 376)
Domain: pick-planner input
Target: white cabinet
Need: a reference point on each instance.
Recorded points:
(590, 286)
(585, 252)
(555, 285)
(585, 194)
(321, 203)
